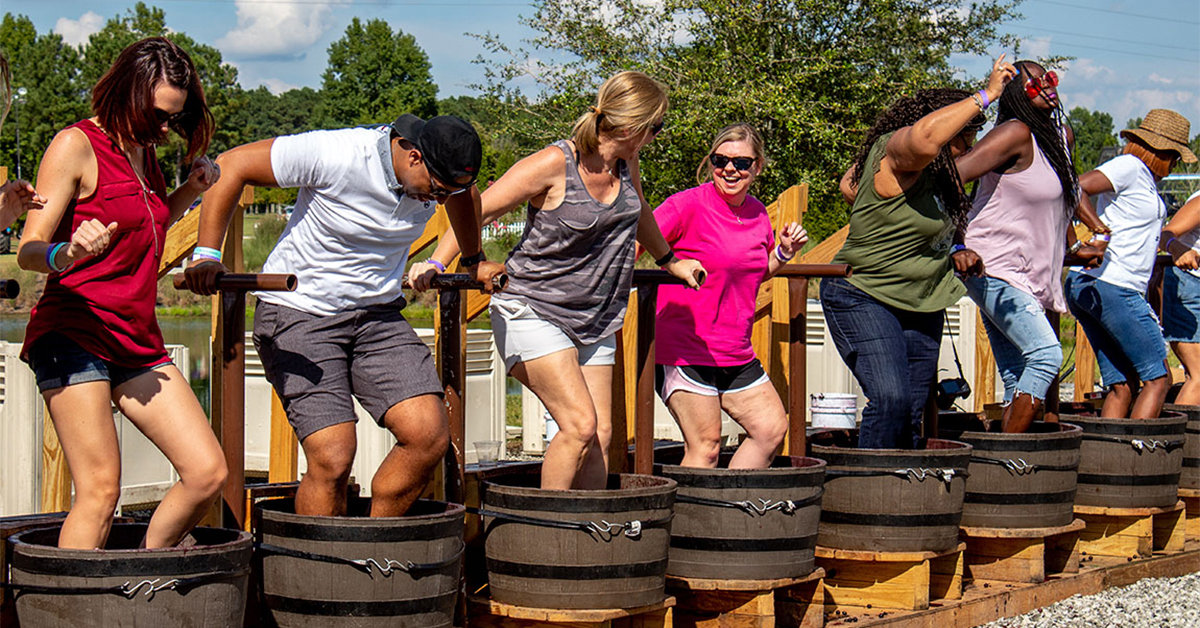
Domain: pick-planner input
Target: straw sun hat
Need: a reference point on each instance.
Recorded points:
(1163, 129)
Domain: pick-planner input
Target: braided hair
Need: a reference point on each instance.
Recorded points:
(906, 112)
(1046, 127)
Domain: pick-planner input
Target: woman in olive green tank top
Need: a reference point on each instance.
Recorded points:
(908, 210)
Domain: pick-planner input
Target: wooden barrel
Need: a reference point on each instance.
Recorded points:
(746, 524)
(1189, 477)
(1129, 463)
(890, 500)
(360, 571)
(1017, 480)
(605, 566)
(203, 585)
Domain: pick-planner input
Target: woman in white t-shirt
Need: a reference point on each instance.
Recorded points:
(1110, 301)
(1181, 294)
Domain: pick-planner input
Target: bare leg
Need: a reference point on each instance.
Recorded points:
(422, 434)
(1189, 355)
(1117, 401)
(82, 416)
(330, 454)
(699, 418)
(595, 467)
(1149, 401)
(760, 412)
(162, 406)
(559, 383)
(1019, 413)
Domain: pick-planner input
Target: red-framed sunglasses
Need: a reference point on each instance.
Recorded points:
(1034, 85)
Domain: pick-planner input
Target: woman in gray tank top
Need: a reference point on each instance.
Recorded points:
(569, 276)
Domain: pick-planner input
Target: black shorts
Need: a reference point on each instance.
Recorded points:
(708, 380)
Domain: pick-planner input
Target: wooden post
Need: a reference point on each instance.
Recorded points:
(56, 477)
(643, 458)
(798, 365)
(452, 356)
(1051, 404)
(985, 366)
(284, 453)
(1085, 365)
(624, 404)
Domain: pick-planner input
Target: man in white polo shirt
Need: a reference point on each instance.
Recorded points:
(365, 195)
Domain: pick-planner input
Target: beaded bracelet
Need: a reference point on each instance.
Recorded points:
(978, 103)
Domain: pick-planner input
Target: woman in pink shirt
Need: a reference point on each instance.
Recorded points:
(705, 361)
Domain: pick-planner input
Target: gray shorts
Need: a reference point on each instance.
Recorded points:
(316, 363)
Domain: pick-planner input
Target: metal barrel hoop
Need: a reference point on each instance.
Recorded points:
(385, 567)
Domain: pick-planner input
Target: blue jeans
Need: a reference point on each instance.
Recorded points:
(1025, 345)
(892, 352)
(1181, 306)
(1121, 327)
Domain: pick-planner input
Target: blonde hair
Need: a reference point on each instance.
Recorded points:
(736, 132)
(1160, 162)
(629, 101)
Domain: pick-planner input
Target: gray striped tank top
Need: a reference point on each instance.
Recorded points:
(574, 264)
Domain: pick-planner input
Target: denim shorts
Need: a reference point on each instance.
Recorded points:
(1024, 344)
(1121, 328)
(57, 361)
(1181, 306)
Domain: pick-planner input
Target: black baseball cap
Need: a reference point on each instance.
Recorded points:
(449, 145)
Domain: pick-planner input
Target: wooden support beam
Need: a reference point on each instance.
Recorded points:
(1085, 365)
(644, 413)
(823, 253)
(624, 405)
(285, 448)
(985, 366)
(797, 391)
(452, 364)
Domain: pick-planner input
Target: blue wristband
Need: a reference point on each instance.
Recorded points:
(204, 252)
(957, 247)
(52, 253)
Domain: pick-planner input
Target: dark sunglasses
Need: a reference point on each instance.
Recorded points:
(1034, 86)
(169, 119)
(438, 191)
(657, 127)
(720, 161)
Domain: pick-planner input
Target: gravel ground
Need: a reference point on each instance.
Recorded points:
(1150, 603)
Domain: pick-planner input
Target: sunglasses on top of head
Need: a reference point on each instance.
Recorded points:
(1035, 85)
(740, 163)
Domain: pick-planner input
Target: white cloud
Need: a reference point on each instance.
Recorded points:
(1086, 70)
(1161, 80)
(76, 32)
(1035, 47)
(274, 29)
(277, 86)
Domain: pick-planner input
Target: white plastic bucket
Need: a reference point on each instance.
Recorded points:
(834, 409)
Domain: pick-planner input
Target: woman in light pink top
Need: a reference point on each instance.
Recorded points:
(1023, 204)
(705, 361)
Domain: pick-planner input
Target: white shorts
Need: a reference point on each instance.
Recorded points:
(521, 335)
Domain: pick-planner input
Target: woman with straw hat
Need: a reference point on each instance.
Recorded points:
(1110, 301)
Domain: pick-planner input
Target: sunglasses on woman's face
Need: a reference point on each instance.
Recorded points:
(720, 161)
(657, 127)
(169, 119)
(1035, 85)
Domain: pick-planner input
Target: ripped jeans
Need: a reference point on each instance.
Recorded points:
(1026, 348)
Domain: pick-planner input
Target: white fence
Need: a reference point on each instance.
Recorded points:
(826, 374)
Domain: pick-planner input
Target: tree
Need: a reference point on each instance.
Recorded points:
(48, 69)
(1093, 131)
(500, 150)
(374, 75)
(218, 78)
(811, 75)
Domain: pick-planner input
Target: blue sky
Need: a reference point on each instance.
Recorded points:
(1130, 56)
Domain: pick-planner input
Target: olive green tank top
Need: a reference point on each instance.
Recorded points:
(899, 248)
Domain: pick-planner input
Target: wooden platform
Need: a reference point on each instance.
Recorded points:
(890, 580)
(1191, 501)
(1131, 532)
(789, 602)
(486, 612)
(1021, 554)
(988, 602)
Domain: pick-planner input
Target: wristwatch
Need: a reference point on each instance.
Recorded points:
(471, 260)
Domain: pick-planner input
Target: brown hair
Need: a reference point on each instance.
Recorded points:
(629, 101)
(736, 132)
(1160, 162)
(123, 98)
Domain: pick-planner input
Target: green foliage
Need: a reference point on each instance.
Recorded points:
(811, 75)
(500, 150)
(374, 75)
(48, 69)
(266, 234)
(1093, 131)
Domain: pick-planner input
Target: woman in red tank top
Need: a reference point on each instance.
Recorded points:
(92, 339)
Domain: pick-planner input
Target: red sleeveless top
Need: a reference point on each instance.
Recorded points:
(105, 303)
